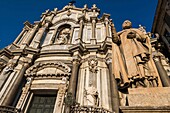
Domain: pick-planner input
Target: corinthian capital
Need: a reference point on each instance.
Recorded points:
(76, 59)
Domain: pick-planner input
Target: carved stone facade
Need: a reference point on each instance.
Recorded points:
(78, 61)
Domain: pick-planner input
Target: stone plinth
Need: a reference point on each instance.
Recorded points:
(145, 109)
(159, 96)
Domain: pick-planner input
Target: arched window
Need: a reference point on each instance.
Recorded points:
(63, 34)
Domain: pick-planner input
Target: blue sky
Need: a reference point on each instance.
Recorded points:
(14, 13)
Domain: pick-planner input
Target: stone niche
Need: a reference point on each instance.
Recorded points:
(159, 96)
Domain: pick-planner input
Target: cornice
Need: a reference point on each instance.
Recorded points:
(26, 50)
(43, 75)
(6, 52)
(77, 47)
(28, 24)
(32, 71)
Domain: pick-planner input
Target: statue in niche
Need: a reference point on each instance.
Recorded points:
(91, 96)
(6, 72)
(134, 55)
(63, 36)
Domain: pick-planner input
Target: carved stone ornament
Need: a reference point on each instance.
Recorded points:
(29, 80)
(62, 68)
(61, 94)
(9, 68)
(25, 91)
(63, 36)
(93, 65)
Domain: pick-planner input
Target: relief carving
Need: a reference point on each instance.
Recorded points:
(61, 94)
(63, 37)
(93, 65)
(137, 66)
(43, 65)
(9, 68)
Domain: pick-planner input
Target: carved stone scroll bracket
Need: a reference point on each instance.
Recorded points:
(60, 96)
(25, 93)
(9, 68)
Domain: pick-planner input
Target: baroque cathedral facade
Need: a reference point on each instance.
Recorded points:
(72, 61)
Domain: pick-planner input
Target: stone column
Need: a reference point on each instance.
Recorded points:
(19, 36)
(54, 36)
(74, 76)
(40, 34)
(81, 21)
(105, 18)
(32, 33)
(113, 88)
(162, 73)
(93, 39)
(107, 27)
(73, 82)
(12, 92)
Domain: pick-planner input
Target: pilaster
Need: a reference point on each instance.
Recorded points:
(73, 81)
(93, 40)
(113, 87)
(32, 33)
(162, 73)
(81, 21)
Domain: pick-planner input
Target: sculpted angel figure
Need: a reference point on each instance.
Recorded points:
(134, 54)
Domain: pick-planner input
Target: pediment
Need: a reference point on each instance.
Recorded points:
(67, 15)
(48, 68)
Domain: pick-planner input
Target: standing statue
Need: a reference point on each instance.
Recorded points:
(137, 67)
(91, 95)
(6, 72)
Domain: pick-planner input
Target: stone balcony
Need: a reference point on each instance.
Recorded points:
(89, 109)
(9, 109)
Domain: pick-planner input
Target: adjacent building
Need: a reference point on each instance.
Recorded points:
(161, 24)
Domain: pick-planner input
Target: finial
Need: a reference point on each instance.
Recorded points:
(55, 9)
(46, 11)
(72, 2)
(94, 6)
(85, 6)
